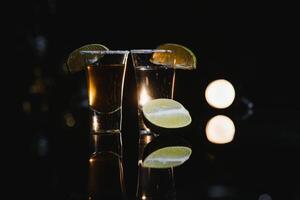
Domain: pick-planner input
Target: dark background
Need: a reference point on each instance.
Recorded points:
(251, 44)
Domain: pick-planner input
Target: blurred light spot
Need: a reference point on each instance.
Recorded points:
(145, 139)
(41, 44)
(91, 160)
(220, 191)
(42, 146)
(38, 87)
(95, 123)
(26, 106)
(220, 129)
(144, 96)
(148, 139)
(264, 197)
(220, 94)
(249, 108)
(247, 102)
(210, 156)
(144, 197)
(69, 120)
(84, 103)
(92, 92)
(140, 162)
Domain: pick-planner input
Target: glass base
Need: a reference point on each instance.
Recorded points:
(106, 122)
(108, 142)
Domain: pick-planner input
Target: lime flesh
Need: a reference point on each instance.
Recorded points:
(77, 61)
(183, 57)
(166, 113)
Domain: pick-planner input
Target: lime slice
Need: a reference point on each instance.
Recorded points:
(166, 113)
(184, 58)
(167, 157)
(78, 59)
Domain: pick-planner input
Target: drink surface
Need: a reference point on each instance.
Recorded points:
(105, 87)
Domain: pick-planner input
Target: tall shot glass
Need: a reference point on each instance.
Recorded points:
(153, 80)
(105, 80)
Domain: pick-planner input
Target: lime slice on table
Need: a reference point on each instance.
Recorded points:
(77, 60)
(183, 56)
(166, 153)
(166, 114)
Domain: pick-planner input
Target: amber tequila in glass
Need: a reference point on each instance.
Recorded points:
(105, 80)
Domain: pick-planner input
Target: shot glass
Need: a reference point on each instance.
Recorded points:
(153, 79)
(105, 81)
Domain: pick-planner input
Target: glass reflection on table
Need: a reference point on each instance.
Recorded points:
(153, 183)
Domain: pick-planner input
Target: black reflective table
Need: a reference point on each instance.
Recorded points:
(49, 143)
(261, 161)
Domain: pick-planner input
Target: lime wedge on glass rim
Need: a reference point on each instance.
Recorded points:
(165, 114)
(166, 152)
(83, 56)
(184, 58)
